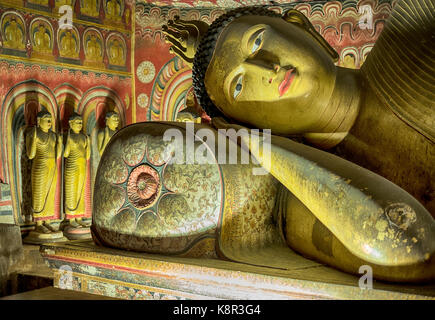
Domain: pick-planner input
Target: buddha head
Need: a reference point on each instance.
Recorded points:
(41, 28)
(265, 70)
(44, 120)
(112, 120)
(76, 123)
(13, 23)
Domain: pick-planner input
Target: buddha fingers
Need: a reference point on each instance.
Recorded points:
(175, 42)
(185, 27)
(180, 54)
(174, 33)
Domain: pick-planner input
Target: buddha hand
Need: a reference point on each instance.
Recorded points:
(184, 37)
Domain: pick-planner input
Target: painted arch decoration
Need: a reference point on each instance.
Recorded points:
(170, 90)
(18, 112)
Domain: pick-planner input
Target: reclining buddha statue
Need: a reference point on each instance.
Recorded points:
(367, 198)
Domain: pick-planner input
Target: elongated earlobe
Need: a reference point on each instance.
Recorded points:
(299, 19)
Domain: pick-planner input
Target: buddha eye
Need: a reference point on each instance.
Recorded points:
(257, 42)
(238, 87)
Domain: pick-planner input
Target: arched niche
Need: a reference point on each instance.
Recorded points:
(169, 91)
(350, 58)
(93, 107)
(14, 33)
(42, 38)
(68, 98)
(116, 51)
(18, 113)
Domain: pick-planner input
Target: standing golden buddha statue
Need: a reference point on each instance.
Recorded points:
(112, 123)
(44, 148)
(77, 153)
(263, 70)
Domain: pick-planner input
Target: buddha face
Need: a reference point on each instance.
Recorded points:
(113, 122)
(76, 125)
(44, 123)
(269, 73)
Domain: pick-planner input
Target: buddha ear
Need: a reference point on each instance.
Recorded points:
(299, 19)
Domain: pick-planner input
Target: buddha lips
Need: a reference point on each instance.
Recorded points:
(286, 83)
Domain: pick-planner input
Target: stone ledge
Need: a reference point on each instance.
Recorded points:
(51, 293)
(82, 266)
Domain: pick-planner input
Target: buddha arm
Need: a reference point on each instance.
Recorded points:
(355, 204)
(59, 147)
(88, 148)
(100, 141)
(31, 143)
(67, 146)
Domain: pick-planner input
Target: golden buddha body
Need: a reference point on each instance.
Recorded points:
(116, 53)
(93, 51)
(68, 46)
(94, 48)
(14, 36)
(256, 68)
(76, 154)
(89, 7)
(42, 41)
(112, 123)
(113, 10)
(43, 147)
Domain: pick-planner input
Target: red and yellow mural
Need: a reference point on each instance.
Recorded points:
(82, 68)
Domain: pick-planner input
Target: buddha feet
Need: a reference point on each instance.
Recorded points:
(77, 229)
(44, 233)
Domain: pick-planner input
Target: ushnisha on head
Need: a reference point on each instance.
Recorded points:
(260, 68)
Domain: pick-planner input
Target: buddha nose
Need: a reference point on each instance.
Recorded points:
(275, 67)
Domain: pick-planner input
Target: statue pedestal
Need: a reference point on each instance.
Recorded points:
(80, 233)
(38, 238)
(82, 266)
